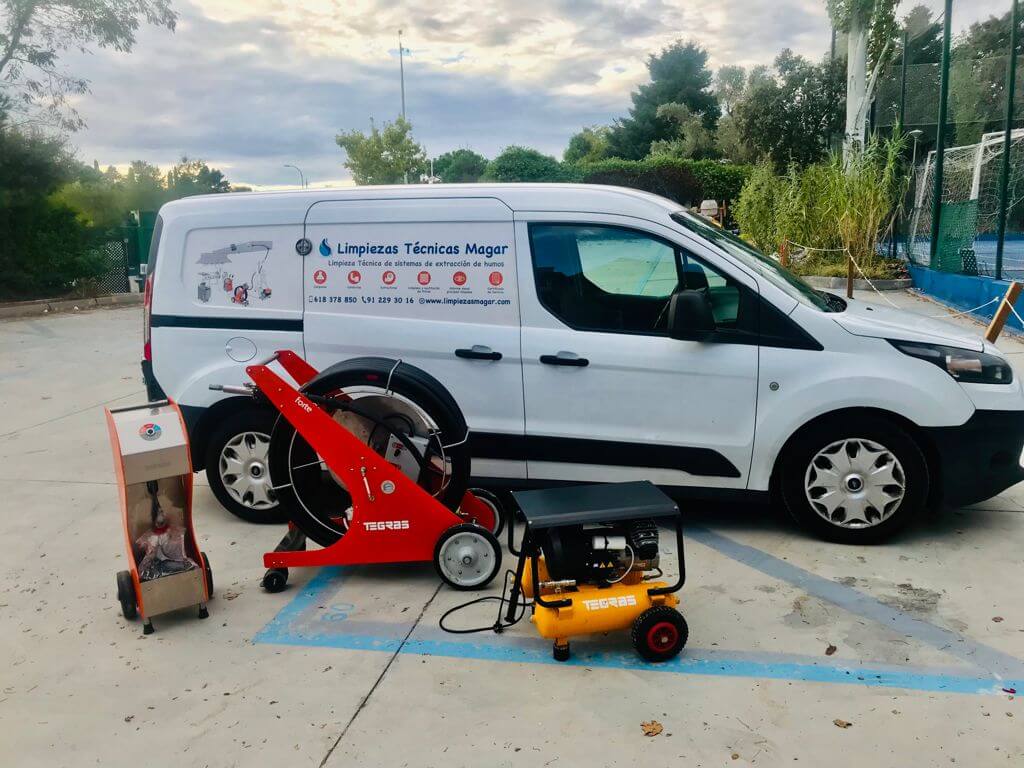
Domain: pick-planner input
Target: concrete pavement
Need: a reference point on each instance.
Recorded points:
(348, 667)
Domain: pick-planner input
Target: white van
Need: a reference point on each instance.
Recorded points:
(589, 334)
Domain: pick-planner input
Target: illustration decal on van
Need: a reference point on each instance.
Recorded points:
(218, 274)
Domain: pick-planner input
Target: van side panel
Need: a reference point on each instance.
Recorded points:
(430, 282)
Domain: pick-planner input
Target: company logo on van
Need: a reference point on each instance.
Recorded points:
(325, 249)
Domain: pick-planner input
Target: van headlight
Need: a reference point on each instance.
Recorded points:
(964, 365)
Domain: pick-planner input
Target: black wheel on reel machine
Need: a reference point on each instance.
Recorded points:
(310, 495)
(494, 502)
(467, 556)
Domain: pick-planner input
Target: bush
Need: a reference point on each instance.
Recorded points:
(755, 208)
(830, 207)
(687, 182)
(45, 251)
(524, 164)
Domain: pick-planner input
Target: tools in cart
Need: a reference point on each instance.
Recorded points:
(370, 500)
(589, 559)
(166, 569)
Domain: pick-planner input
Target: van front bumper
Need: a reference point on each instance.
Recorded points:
(979, 458)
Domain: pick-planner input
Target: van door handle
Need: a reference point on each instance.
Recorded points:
(565, 358)
(478, 352)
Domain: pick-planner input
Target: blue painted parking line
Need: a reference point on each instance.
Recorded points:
(854, 601)
(316, 617)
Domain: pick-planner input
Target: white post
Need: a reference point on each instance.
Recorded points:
(856, 84)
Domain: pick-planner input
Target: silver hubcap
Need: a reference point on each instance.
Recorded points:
(466, 559)
(855, 483)
(244, 472)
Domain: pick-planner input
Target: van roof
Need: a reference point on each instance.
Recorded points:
(593, 198)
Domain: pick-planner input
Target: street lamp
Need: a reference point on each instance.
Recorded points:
(302, 178)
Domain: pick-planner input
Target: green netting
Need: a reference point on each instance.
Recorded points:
(977, 95)
(957, 230)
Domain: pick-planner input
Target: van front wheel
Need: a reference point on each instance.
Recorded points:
(237, 466)
(854, 480)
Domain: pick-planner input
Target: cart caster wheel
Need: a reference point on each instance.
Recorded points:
(126, 595)
(659, 633)
(147, 628)
(467, 556)
(560, 652)
(208, 574)
(275, 579)
(203, 613)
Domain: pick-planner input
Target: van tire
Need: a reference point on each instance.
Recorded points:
(902, 460)
(406, 380)
(247, 420)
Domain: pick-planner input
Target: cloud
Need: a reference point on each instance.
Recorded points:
(249, 85)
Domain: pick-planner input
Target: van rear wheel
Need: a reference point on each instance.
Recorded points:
(238, 468)
(854, 480)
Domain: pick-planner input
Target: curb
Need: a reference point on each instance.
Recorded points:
(899, 284)
(50, 306)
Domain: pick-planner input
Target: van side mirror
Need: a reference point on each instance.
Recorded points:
(689, 316)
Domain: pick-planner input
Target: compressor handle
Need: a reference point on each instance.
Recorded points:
(234, 389)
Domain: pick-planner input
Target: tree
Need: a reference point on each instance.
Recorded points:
(870, 27)
(977, 85)
(587, 146)
(144, 188)
(460, 166)
(44, 246)
(730, 83)
(194, 177)
(693, 140)
(524, 164)
(34, 33)
(730, 143)
(678, 74)
(388, 156)
(792, 115)
(924, 38)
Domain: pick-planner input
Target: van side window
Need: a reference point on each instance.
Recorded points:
(613, 279)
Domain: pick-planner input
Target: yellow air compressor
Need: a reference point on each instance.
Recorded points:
(589, 559)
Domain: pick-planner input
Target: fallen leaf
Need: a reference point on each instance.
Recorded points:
(997, 619)
(652, 728)
(229, 595)
(842, 723)
(129, 718)
(830, 650)
(735, 755)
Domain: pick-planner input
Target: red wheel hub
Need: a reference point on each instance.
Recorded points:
(662, 636)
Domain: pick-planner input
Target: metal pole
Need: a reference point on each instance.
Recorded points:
(898, 225)
(940, 130)
(1004, 179)
(302, 177)
(401, 69)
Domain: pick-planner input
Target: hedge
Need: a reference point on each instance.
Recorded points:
(688, 182)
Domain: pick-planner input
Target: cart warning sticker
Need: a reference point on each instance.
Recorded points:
(454, 272)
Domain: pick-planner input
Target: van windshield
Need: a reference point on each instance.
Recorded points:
(767, 267)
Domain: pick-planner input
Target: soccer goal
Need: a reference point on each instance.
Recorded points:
(970, 208)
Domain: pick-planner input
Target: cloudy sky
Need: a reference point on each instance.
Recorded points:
(249, 85)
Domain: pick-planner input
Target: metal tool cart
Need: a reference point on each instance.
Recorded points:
(166, 569)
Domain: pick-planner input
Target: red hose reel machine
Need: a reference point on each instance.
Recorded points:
(399, 509)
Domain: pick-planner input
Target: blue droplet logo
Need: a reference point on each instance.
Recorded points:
(325, 249)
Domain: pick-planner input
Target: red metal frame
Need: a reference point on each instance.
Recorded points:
(394, 520)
